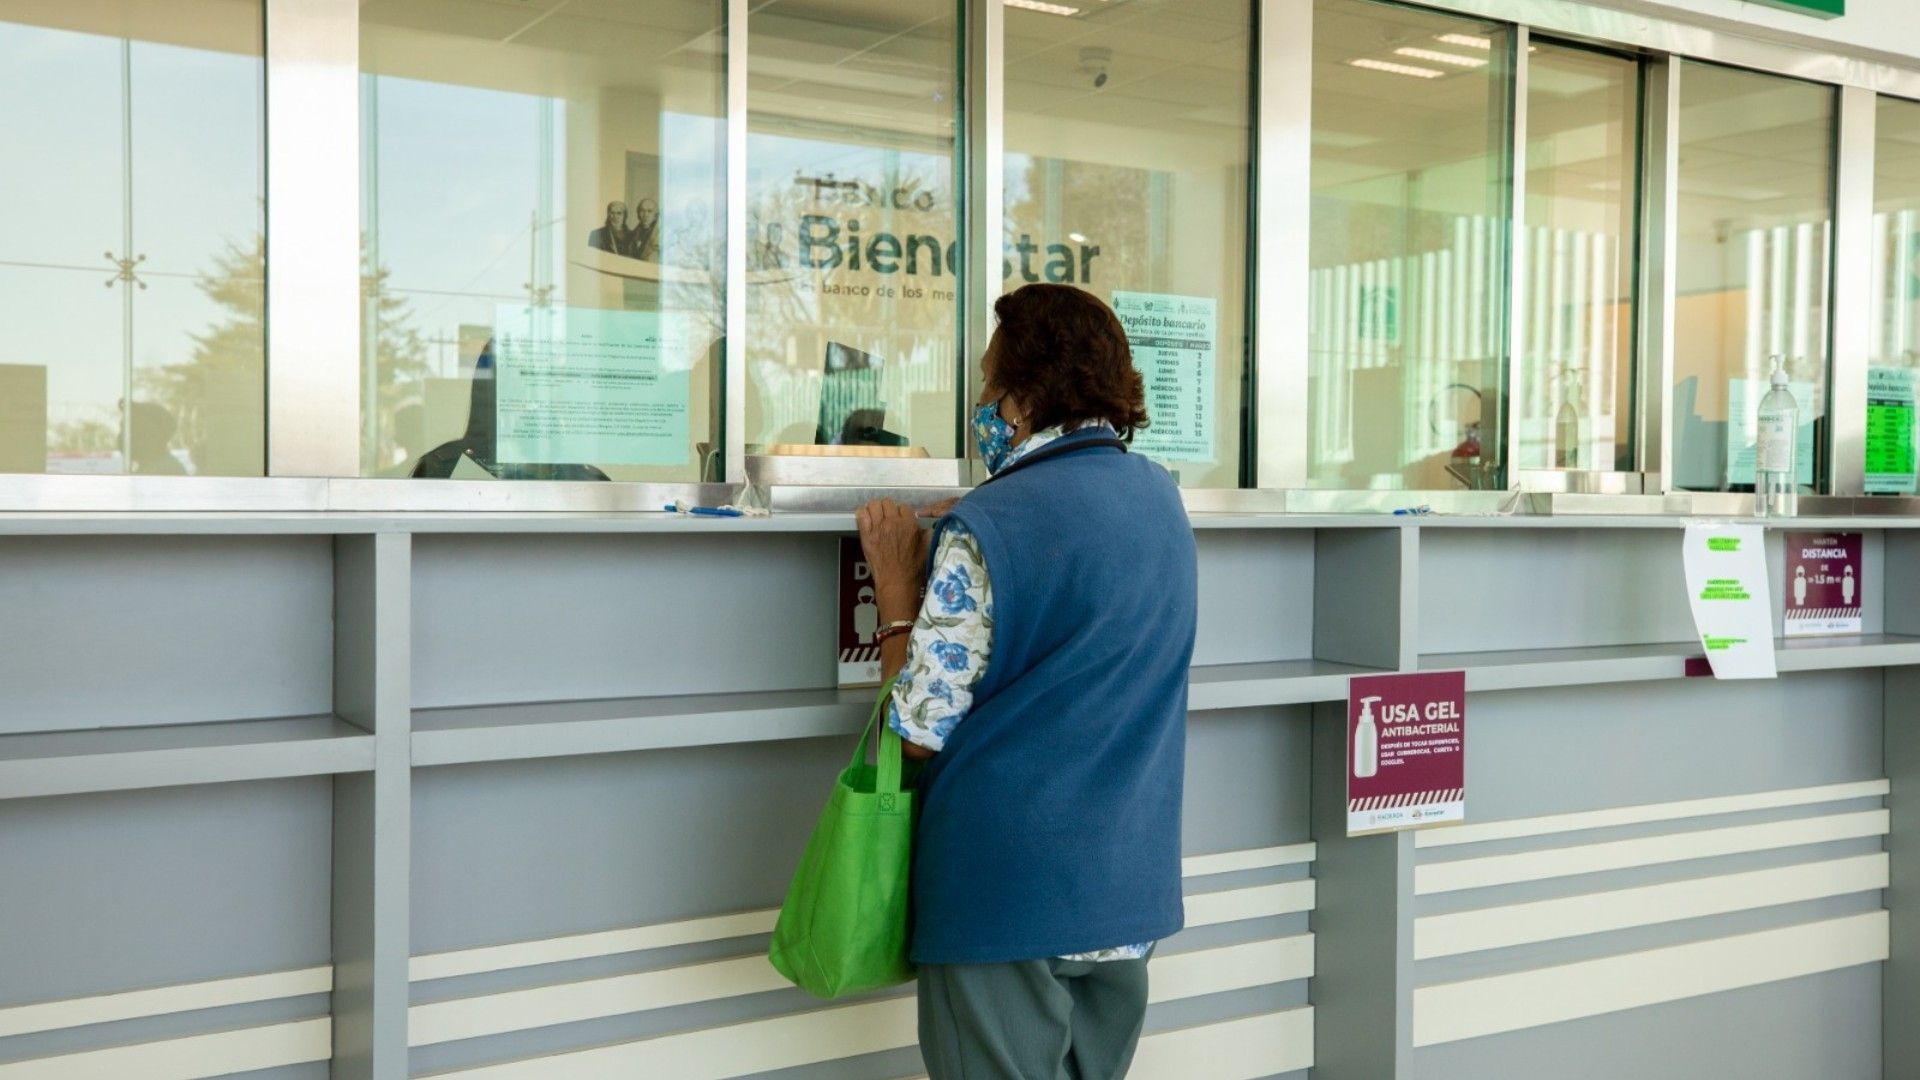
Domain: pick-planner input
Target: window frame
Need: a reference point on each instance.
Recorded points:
(313, 367)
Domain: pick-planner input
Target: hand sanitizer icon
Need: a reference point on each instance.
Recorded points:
(1366, 742)
(1799, 586)
(1846, 587)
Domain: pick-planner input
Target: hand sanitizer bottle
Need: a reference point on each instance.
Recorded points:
(1366, 742)
(1566, 422)
(1775, 478)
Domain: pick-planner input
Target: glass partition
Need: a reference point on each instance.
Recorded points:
(1894, 333)
(1754, 234)
(1127, 165)
(132, 253)
(543, 206)
(1407, 255)
(1573, 382)
(853, 229)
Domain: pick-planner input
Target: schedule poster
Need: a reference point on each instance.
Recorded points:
(859, 656)
(1824, 584)
(1406, 751)
(589, 386)
(1890, 408)
(1173, 346)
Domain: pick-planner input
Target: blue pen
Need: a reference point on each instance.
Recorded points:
(715, 511)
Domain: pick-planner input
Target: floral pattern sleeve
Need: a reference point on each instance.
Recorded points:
(948, 648)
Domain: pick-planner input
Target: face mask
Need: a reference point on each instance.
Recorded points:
(993, 434)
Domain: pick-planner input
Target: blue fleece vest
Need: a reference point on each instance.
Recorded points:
(1050, 822)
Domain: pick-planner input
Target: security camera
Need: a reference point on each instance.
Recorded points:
(1094, 61)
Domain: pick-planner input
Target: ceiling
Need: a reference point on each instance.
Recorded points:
(1171, 65)
(231, 26)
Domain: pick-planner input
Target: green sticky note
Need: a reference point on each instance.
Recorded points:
(1819, 9)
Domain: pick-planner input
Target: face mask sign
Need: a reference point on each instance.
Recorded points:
(994, 434)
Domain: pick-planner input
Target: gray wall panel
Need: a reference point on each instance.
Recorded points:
(103, 893)
(1364, 596)
(1901, 554)
(1552, 888)
(1635, 831)
(1217, 1008)
(118, 631)
(1581, 748)
(595, 967)
(1247, 779)
(1363, 929)
(1595, 946)
(373, 578)
(629, 1027)
(1820, 1027)
(1494, 589)
(160, 1028)
(551, 618)
(525, 850)
(888, 1066)
(1903, 899)
(1256, 595)
(1485, 590)
(535, 849)
(319, 1070)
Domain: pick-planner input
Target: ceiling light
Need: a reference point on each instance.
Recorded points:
(1042, 7)
(1466, 41)
(1078, 238)
(1396, 69)
(1439, 57)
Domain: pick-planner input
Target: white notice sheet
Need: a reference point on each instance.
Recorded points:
(1726, 568)
(1173, 346)
(590, 386)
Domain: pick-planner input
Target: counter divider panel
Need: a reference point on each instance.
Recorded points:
(525, 731)
(124, 759)
(1522, 669)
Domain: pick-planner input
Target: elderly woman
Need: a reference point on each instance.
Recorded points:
(1044, 676)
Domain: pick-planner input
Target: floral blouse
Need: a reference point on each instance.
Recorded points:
(948, 649)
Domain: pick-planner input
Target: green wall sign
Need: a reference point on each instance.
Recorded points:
(1819, 9)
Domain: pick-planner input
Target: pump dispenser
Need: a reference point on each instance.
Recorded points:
(1776, 489)
(1366, 742)
(1566, 421)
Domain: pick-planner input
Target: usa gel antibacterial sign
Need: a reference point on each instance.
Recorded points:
(1406, 751)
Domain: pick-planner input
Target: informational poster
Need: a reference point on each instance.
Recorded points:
(1406, 751)
(1824, 583)
(1379, 314)
(1726, 571)
(1173, 346)
(1743, 412)
(859, 618)
(591, 386)
(1890, 409)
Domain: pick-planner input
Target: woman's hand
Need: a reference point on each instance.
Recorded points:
(933, 512)
(896, 549)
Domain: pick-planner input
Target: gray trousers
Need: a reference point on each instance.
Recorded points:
(1031, 1019)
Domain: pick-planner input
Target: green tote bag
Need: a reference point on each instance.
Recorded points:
(843, 928)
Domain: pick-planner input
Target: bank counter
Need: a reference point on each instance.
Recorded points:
(515, 796)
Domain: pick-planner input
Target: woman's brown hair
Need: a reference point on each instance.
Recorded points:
(1063, 354)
